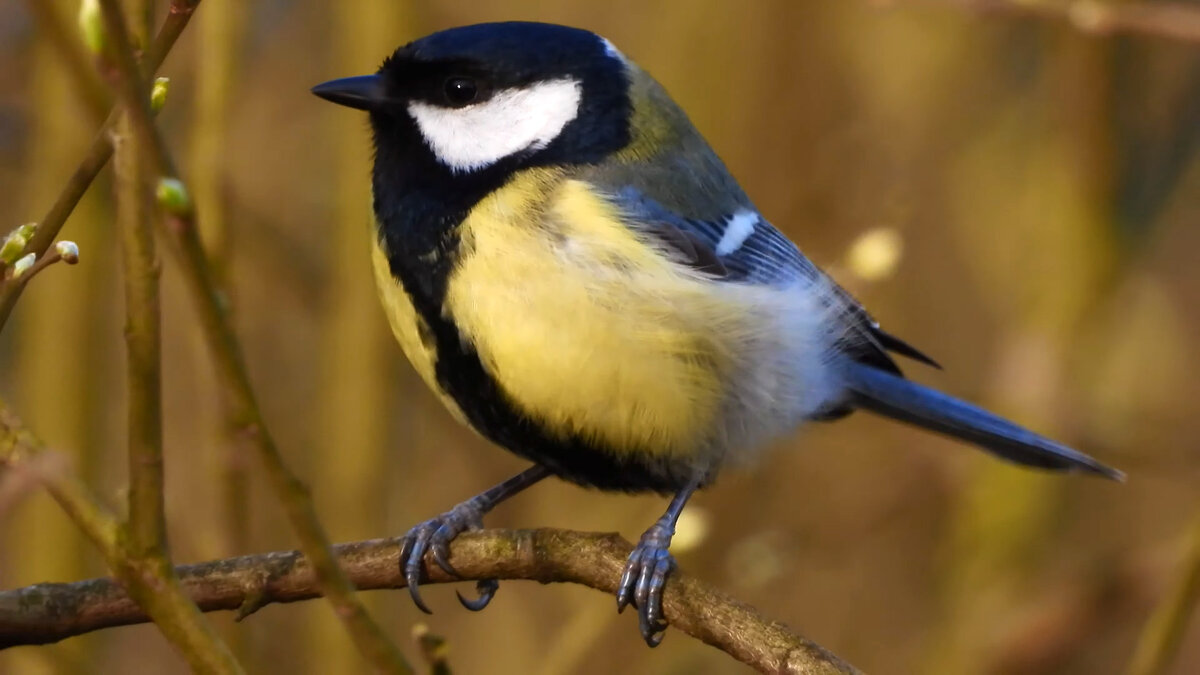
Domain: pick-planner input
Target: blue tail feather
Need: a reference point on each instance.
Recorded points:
(907, 401)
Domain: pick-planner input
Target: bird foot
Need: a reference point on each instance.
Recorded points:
(642, 583)
(434, 536)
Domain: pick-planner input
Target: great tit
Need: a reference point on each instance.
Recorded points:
(571, 268)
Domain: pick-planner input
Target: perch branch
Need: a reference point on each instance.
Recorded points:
(181, 232)
(164, 599)
(1171, 20)
(50, 612)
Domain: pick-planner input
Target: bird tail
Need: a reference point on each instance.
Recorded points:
(895, 397)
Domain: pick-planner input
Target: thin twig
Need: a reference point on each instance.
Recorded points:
(49, 612)
(147, 520)
(355, 397)
(98, 154)
(1171, 20)
(132, 87)
(247, 421)
(243, 407)
(184, 236)
(142, 569)
(42, 263)
(158, 591)
(1163, 633)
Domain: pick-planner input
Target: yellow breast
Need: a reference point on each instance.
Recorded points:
(589, 330)
(409, 328)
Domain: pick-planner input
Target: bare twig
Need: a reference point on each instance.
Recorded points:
(49, 612)
(40, 264)
(158, 591)
(98, 154)
(1172, 20)
(243, 407)
(182, 233)
(147, 520)
(247, 421)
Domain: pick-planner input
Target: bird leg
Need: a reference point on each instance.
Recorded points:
(648, 567)
(435, 535)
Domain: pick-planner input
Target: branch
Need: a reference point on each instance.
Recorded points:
(47, 613)
(243, 410)
(242, 406)
(220, 32)
(245, 418)
(98, 154)
(1171, 20)
(147, 519)
(160, 592)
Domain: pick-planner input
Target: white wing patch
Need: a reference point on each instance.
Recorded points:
(511, 121)
(740, 227)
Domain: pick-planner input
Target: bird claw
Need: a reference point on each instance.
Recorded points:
(434, 536)
(487, 590)
(644, 579)
(410, 562)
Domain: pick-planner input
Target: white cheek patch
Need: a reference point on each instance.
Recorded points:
(511, 121)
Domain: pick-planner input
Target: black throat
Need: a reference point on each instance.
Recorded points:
(419, 204)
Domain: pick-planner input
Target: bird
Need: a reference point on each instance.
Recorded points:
(571, 268)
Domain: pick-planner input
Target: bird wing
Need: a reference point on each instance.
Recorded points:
(742, 247)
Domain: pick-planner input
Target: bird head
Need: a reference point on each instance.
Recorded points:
(497, 96)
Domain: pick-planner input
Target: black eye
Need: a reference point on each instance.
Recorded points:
(460, 91)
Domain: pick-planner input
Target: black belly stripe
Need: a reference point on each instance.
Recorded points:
(419, 205)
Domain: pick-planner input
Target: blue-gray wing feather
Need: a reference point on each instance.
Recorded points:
(758, 253)
(763, 256)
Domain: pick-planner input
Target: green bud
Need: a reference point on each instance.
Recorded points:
(23, 264)
(27, 230)
(158, 94)
(91, 25)
(68, 251)
(13, 246)
(173, 196)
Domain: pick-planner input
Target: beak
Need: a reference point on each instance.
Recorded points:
(361, 92)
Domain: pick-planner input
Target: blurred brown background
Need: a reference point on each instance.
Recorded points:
(1046, 190)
